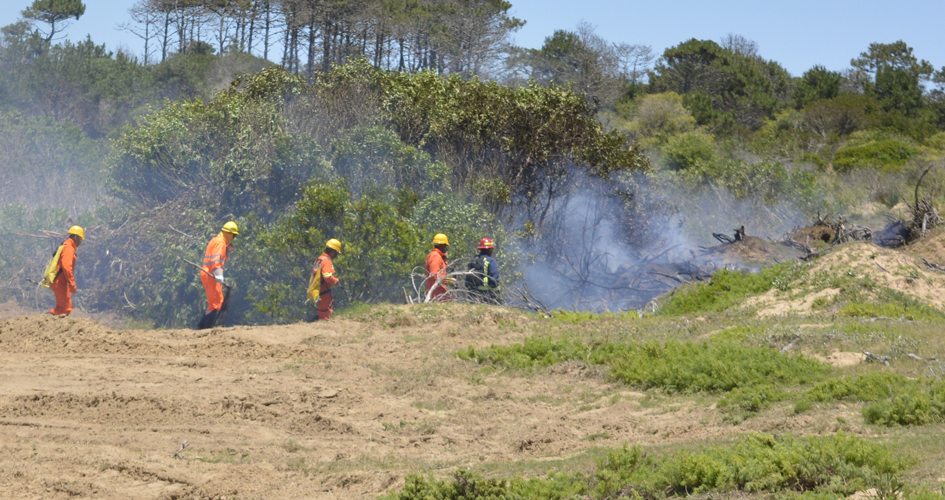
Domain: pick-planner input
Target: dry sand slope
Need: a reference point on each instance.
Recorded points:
(328, 410)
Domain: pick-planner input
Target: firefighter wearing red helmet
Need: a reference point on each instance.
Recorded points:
(482, 281)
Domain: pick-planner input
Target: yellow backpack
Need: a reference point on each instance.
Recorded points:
(315, 282)
(52, 268)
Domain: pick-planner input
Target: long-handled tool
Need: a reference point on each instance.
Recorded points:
(221, 317)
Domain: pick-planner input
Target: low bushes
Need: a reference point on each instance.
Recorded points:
(725, 289)
(673, 366)
(895, 400)
(840, 464)
(911, 407)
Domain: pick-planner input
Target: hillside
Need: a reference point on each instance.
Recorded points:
(350, 408)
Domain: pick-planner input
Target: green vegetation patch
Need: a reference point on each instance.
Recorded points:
(873, 386)
(895, 399)
(561, 316)
(673, 366)
(738, 403)
(911, 407)
(839, 464)
(726, 289)
(910, 310)
(886, 154)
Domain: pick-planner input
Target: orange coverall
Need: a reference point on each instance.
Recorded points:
(214, 258)
(64, 284)
(329, 280)
(436, 269)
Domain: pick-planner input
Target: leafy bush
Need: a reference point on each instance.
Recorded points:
(885, 154)
(380, 160)
(658, 117)
(688, 150)
(26, 257)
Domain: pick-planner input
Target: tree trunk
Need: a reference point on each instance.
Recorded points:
(326, 45)
(266, 35)
(167, 24)
(311, 44)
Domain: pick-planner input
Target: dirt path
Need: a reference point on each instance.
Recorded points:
(337, 410)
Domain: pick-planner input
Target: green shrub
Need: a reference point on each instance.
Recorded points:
(619, 468)
(533, 352)
(673, 366)
(726, 289)
(688, 150)
(904, 409)
(825, 465)
(885, 154)
(657, 117)
(466, 485)
(873, 386)
(750, 400)
(840, 463)
(909, 309)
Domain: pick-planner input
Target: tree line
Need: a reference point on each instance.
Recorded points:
(451, 36)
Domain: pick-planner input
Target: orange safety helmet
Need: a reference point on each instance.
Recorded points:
(486, 244)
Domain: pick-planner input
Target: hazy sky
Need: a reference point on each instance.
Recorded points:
(798, 34)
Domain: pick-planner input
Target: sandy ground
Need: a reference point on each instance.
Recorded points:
(340, 409)
(893, 269)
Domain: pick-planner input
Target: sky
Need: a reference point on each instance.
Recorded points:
(798, 34)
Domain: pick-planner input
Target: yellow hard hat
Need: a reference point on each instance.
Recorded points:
(232, 228)
(78, 231)
(440, 239)
(334, 245)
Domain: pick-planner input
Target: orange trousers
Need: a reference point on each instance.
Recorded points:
(60, 288)
(324, 305)
(214, 292)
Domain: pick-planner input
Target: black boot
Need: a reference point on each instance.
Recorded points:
(208, 319)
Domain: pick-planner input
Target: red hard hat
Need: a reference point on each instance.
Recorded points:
(486, 244)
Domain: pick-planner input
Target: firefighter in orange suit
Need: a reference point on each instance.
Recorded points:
(325, 272)
(436, 270)
(212, 274)
(64, 284)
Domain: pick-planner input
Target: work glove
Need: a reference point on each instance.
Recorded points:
(218, 274)
(450, 281)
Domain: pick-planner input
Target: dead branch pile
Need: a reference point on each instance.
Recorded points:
(846, 232)
(924, 217)
(727, 240)
(455, 282)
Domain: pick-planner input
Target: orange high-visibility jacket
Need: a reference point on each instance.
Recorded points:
(67, 264)
(215, 256)
(436, 269)
(328, 272)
